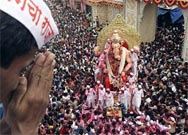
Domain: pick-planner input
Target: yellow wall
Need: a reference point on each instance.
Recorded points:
(148, 23)
(105, 13)
(185, 47)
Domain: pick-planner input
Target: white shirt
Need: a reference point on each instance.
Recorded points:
(134, 57)
(109, 99)
(101, 93)
(91, 94)
(138, 94)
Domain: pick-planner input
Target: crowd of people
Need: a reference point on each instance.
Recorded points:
(162, 75)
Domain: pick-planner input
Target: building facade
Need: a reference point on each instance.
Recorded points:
(140, 14)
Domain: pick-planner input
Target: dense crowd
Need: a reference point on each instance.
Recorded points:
(162, 76)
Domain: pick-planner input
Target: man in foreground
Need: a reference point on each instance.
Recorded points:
(22, 33)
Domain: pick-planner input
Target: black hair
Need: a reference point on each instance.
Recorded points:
(15, 39)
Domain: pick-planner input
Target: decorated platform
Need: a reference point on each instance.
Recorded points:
(114, 111)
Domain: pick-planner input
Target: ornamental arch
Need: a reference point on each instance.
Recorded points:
(147, 21)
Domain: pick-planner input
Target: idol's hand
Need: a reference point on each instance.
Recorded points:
(29, 101)
(123, 73)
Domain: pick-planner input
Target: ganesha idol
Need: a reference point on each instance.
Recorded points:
(113, 62)
(114, 58)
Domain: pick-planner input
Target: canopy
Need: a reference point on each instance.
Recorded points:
(175, 14)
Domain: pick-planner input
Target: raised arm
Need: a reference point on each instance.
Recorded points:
(129, 61)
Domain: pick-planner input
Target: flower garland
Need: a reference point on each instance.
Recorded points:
(116, 79)
(181, 3)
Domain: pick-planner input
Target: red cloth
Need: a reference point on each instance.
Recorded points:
(124, 44)
(124, 78)
(64, 131)
(107, 83)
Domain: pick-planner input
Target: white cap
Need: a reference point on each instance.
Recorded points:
(77, 111)
(148, 118)
(148, 100)
(121, 132)
(137, 48)
(130, 123)
(139, 123)
(34, 15)
(88, 86)
(101, 86)
(151, 122)
(98, 82)
(172, 119)
(180, 108)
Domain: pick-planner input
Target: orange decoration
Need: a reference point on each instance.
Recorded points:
(158, 1)
(170, 2)
(183, 4)
(146, 1)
